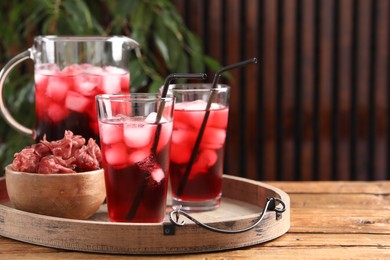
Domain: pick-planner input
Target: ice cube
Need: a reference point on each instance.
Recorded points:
(72, 70)
(206, 159)
(57, 87)
(137, 134)
(180, 153)
(165, 135)
(218, 118)
(151, 118)
(157, 175)
(193, 118)
(180, 106)
(184, 136)
(76, 102)
(87, 88)
(138, 156)
(115, 70)
(195, 105)
(87, 85)
(116, 154)
(56, 112)
(40, 79)
(111, 83)
(213, 138)
(85, 66)
(180, 120)
(111, 133)
(92, 70)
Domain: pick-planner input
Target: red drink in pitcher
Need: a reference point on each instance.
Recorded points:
(204, 182)
(69, 72)
(65, 99)
(136, 180)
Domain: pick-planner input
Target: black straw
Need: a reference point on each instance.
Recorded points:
(164, 93)
(168, 79)
(195, 150)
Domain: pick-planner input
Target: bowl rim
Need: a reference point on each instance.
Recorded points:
(9, 169)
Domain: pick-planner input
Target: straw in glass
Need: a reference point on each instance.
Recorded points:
(195, 150)
(168, 79)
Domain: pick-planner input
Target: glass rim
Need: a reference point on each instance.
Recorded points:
(197, 87)
(81, 37)
(115, 39)
(134, 97)
(201, 85)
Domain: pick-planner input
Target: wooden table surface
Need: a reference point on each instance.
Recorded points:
(339, 220)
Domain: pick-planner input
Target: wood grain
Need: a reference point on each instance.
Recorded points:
(327, 229)
(339, 220)
(373, 187)
(241, 205)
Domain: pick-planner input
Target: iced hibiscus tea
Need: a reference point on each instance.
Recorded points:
(65, 99)
(203, 186)
(135, 165)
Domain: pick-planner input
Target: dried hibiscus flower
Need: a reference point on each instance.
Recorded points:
(67, 155)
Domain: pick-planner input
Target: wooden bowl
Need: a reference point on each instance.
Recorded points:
(72, 195)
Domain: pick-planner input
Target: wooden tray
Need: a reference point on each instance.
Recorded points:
(242, 202)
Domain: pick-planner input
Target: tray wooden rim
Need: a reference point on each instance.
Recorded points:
(148, 239)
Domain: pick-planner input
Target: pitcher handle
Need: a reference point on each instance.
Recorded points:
(3, 76)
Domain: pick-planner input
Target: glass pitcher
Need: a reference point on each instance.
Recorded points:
(68, 73)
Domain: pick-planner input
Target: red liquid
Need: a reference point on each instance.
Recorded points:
(136, 183)
(65, 100)
(205, 179)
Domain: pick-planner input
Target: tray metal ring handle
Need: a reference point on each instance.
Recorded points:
(270, 205)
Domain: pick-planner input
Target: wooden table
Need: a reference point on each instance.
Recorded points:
(340, 220)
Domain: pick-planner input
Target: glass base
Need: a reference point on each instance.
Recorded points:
(205, 205)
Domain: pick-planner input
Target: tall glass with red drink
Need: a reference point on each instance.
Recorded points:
(197, 184)
(135, 135)
(69, 72)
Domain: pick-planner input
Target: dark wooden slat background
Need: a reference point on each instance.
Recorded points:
(316, 107)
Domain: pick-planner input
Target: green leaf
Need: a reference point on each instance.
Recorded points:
(141, 17)
(140, 37)
(211, 63)
(137, 77)
(182, 65)
(156, 85)
(121, 8)
(170, 24)
(196, 52)
(162, 46)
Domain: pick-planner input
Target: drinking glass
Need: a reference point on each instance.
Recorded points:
(135, 135)
(198, 141)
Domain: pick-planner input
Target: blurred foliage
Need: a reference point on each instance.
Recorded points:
(166, 46)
